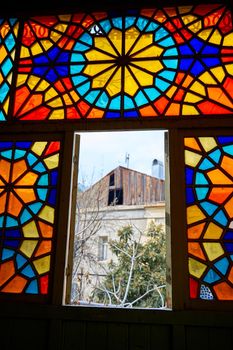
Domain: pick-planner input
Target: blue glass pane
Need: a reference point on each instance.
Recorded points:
(4, 145)
(35, 207)
(201, 192)
(228, 247)
(225, 139)
(189, 173)
(28, 271)
(211, 276)
(7, 253)
(206, 164)
(201, 179)
(54, 176)
(208, 207)
(113, 115)
(228, 149)
(228, 235)
(32, 288)
(20, 260)
(10, 222)
(12, 233)
(25, 216)
(220, 217)
(23, 144)
(31, 159)
(12, 243)
(19, 154)
(222, 265)
(7, 154)
(189, 196)
(215, 155)
(43, 181)
(39, 167)
(52, 197)
(131, 114)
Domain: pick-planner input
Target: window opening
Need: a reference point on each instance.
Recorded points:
(119, 254)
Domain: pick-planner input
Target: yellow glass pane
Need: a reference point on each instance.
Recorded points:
(131, 35)
(46, 44)
(5, 169)
(216, 37)
(55, 36)
(151, 51)
(229, 207)
(198, 88)
(114, 85)
(18, 169)
(57, 114)
(187, 19)
(28, 179)
(194, 248)
(93, 69)
(61, 27)
(208, 143)
(192, 158)
(191, 143)
(229, 68)
(30, 230)
(104, 45)
(28, 247)
(195, 232)
(36, 49)
(115, 36)
(227, 164)
(213, 250)
(207, 78)
(33, 81)
(144, 41)
(131, 86)
(24, 52)
(228, 40)
(213, 231)
(171, 91)
(14, 205)
(196, 268)
(42, 85)
(143, 78)
(21, 79)
(218, 178)
(26, 194)
(52, 161)
(194, 214)
(96, 55)
(51, 93)
(42, 265)
(218, 73)
(57, 102)
(47, 213)
(39, 147)
(102, 79)
(153, 66)
(190, 97)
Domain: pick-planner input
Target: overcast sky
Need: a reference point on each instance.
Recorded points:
(101, 152)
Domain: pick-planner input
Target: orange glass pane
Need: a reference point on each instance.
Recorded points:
(26, 194)
(230, 276)
(217, 177)
(46, 230)
(2, 203)
(229, 207)
(191, 143)
(44, 247)
(5, 169)
(195, 249)
(195, 232)
(224, 291)
(29, 179)
(227, 164)
(18, 169)
(220, 194)
(16, 285)
(7, 270)
(14, 205)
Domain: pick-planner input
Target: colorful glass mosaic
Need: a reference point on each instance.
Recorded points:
(8, 35)
(28, 195)
(209, 200)
(167, 62)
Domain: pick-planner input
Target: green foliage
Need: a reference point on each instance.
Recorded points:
(139, 267)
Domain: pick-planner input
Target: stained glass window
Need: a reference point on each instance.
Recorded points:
(8, 35)
(167, 62)
(209, 200)
(28, 195)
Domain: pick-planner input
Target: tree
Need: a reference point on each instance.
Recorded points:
(136, 278)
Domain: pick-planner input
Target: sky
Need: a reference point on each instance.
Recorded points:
(101, 152)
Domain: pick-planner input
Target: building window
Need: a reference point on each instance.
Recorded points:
(103, 248)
